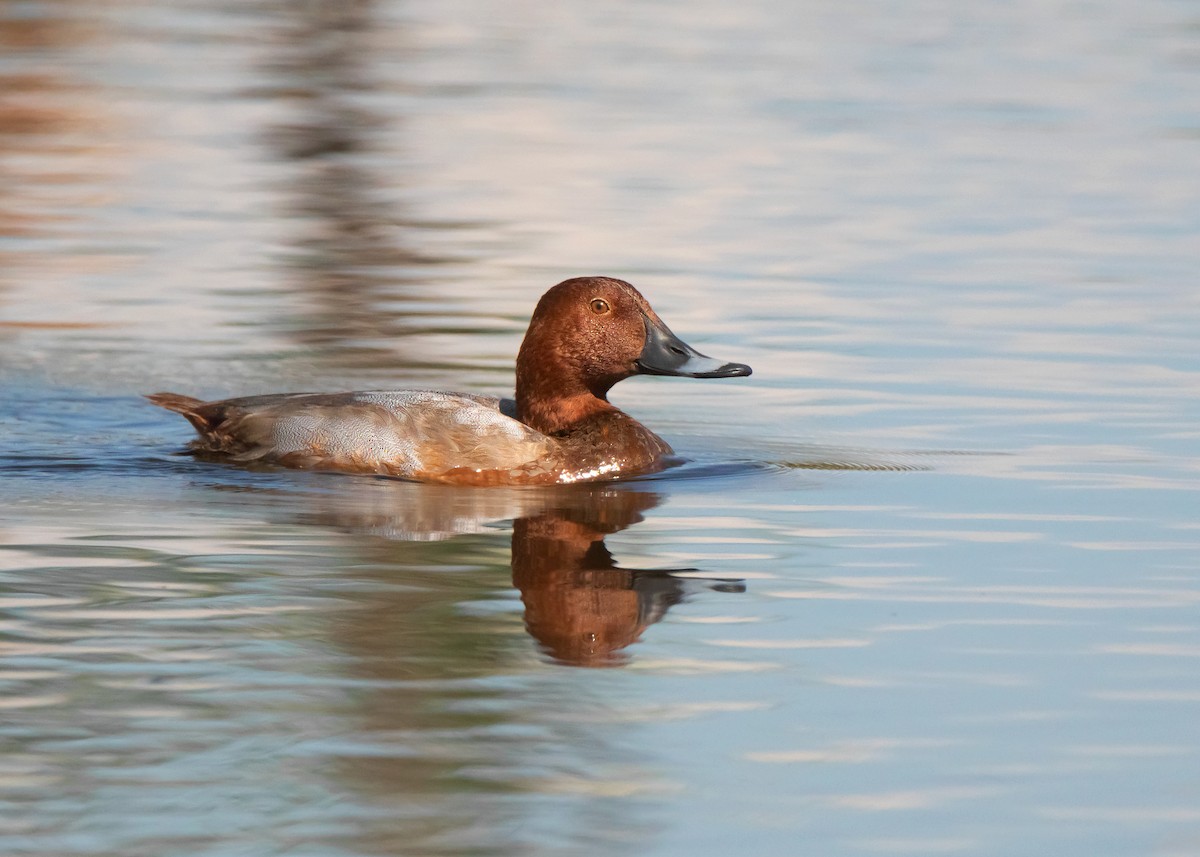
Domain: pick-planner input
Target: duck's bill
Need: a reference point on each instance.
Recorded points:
(667, 354)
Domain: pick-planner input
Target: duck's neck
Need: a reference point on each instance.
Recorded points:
(555, 393)
(559, 411)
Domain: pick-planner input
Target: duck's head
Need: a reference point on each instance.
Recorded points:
(587, 334)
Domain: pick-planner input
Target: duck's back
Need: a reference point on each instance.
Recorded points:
(413, 434)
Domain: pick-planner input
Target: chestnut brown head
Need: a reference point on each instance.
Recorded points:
(588, 333)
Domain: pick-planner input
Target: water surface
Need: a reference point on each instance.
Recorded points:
(927, 583)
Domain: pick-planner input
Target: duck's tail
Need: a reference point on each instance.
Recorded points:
(188, 406)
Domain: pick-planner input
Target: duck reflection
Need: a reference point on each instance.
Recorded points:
(581, 607)
(51, 124)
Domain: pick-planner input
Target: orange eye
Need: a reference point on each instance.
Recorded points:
(599, 306)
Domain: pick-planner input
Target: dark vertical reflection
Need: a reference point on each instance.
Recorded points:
(47, 112)
(353, 248)
(462, 742)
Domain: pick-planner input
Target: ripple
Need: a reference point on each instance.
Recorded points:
(1064, 597)
(910, 799)
(10, 702)
(658, 713)
(904, 845)
(694, 470)
(1158, 650)
(1127, 815)
(856, 751)
(823, 643)
(697, 666)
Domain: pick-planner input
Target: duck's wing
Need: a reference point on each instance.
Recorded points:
(414, 434)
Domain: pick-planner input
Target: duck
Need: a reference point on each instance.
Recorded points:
(586, 335)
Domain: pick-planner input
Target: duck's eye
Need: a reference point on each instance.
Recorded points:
(599, 306)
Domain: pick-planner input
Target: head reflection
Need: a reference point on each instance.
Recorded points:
(579, 605)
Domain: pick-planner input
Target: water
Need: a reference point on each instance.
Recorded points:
(927, 584)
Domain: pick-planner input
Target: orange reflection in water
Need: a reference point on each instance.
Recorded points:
(53, 149)
(579, 605)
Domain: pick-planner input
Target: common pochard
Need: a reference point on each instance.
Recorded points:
(586, 334)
